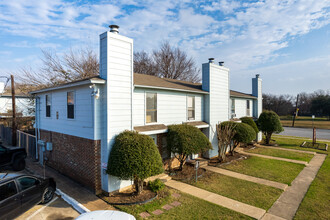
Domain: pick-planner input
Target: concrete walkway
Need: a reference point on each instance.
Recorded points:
(287, 149)
(234, 205)
(246, 177)
(288, 203)
(270, 157)
(79, 193)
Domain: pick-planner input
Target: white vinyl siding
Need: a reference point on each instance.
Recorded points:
(171, 106)
(241, 107)
(82, 126)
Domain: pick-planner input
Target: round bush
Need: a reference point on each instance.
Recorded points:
(156, 185)
(183, 140)
(135, 157)
(269, 123)
(251, 122)
(244, 133)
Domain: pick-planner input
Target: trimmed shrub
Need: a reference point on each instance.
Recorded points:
(183, 140)
(156, 185)
(269, 123)
(134, 157)
(251, 122)
(244, 133)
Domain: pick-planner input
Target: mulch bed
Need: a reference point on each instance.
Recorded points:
(129, 197)
(188, 172)
(229, 158)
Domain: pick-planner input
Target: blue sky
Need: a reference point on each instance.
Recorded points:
(286, 42)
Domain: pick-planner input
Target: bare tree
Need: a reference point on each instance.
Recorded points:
(144, 64)
(167, 62)
(73, 65)
(225, 135)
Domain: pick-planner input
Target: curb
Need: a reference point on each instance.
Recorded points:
(71, 201)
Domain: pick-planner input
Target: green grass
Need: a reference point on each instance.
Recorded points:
(307, 124)
(275, 170)
(244, 191)
(317, 199)
(303, 118)
(282, 154)
(295, 142)
(191, 208)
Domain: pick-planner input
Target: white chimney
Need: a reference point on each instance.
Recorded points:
(257, 104)
(116, 67)
(215, 80)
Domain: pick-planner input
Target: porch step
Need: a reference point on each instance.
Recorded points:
(163, 177)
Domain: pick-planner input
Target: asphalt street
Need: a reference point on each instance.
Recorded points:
(323, 134)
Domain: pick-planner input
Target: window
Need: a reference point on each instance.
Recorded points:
(247, 107)
(27, 182)
(7, 190)
(70, 104)
(191, 108)
(233, 106)
(151, 112)
(48, 105)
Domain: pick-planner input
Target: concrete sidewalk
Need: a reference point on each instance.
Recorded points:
(288, 203)
(286, 149)
(246, 177)
(82, 195)
(241, 151)
(234, 205)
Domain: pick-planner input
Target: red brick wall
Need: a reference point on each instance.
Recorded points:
(76, 157)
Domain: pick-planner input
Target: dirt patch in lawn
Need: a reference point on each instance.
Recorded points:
(129, 197)
(229, 158)
(187, 173)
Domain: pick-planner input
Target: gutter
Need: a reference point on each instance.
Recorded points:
(171, 89)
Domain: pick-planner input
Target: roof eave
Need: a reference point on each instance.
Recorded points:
(81, 83)
(244, 97)
(172, 89)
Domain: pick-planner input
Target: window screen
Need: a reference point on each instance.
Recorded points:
(151, 110)
(191, 107)
(70, 104)
(48, 105)
(248, 107)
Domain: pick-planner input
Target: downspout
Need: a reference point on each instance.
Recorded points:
(37, 118)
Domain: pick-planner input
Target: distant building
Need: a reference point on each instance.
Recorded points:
(22, 101)
(81, 119)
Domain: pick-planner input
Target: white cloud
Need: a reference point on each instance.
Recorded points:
(243, 34)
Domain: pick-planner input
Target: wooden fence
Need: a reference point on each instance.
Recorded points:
(25, 140)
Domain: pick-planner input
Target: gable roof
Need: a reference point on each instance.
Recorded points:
(148, 81)
(241, 95)
(90, 80)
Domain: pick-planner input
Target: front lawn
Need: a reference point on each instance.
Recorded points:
(241, 190)
(275, 170)
(190, 208)
(317, 199)
(295, 142)
(282, 153)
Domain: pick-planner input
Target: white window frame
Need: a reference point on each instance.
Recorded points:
(74, 105)
(192, 108)
(248, 108)
(146, 110)
(51, 102)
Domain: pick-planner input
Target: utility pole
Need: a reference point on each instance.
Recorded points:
(296, 111)
(13, 138)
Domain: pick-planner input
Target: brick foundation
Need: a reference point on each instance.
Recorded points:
(76, 157)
